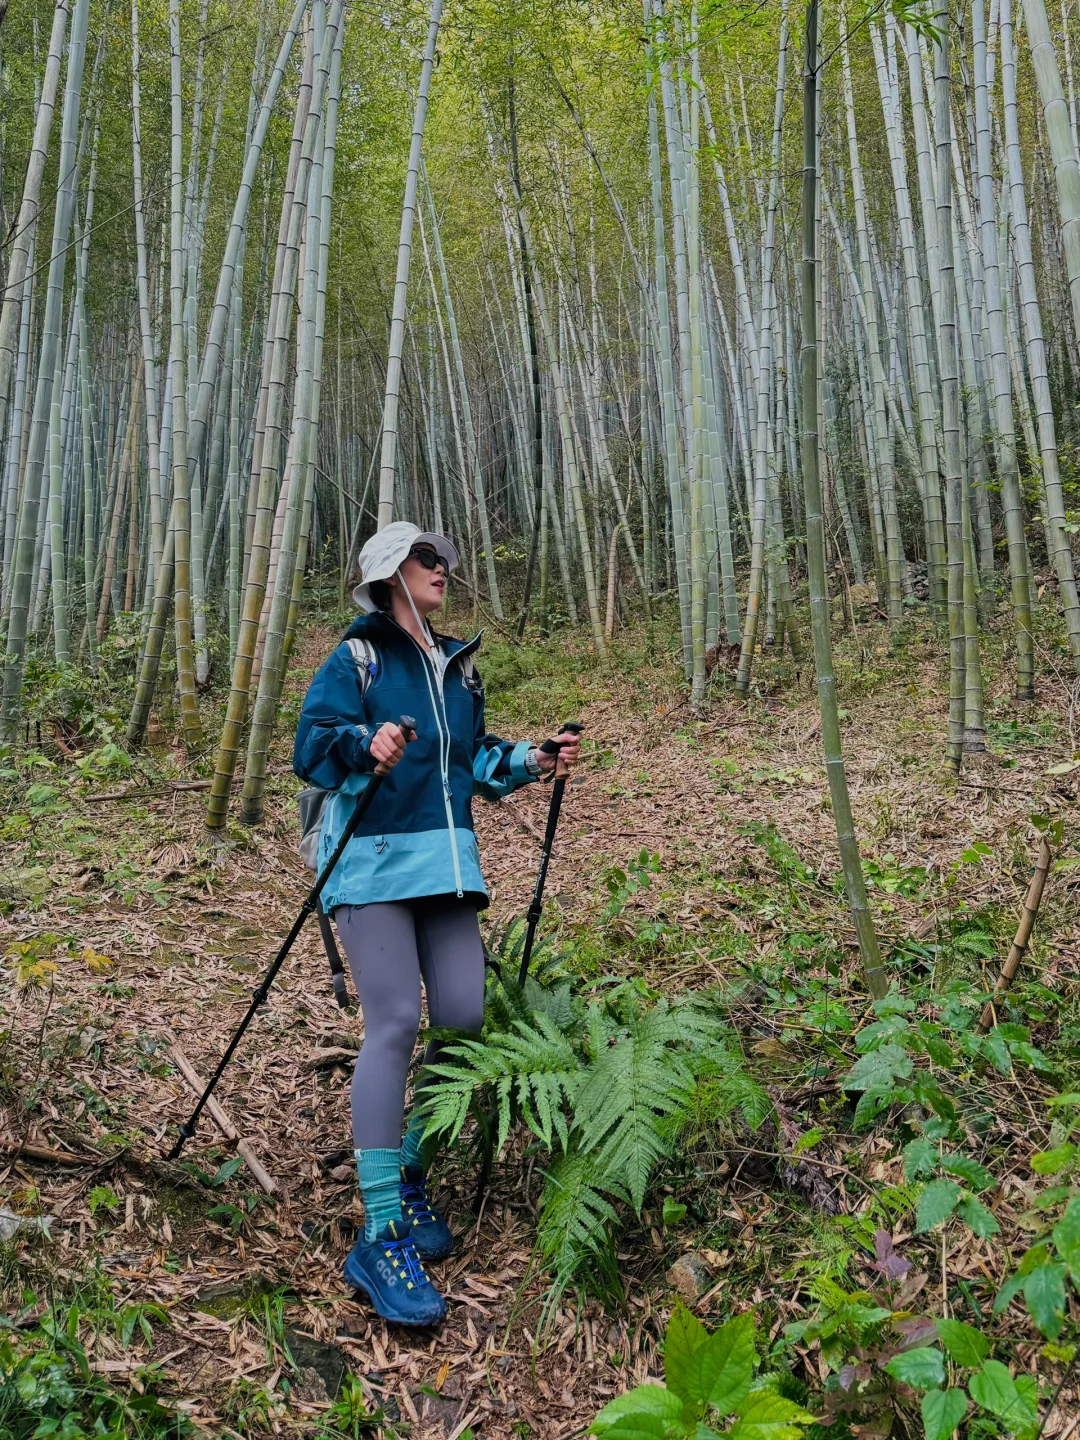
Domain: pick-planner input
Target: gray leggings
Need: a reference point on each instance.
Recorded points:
(390, 949)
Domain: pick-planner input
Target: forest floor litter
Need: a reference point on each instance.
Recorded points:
(136, 943)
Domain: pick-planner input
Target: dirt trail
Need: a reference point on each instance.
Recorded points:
(183, 960)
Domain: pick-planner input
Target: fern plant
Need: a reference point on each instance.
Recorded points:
(605, 1080)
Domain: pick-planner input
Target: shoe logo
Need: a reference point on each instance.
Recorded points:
(387, 1273)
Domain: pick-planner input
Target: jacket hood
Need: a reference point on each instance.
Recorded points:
(377, 626)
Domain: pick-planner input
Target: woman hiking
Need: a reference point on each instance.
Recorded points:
(406, 892)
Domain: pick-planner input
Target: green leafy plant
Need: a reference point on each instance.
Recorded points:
(1052, 1264)
(235, 1217)
(606, 1086)
(102, 1197)
(885, 1359)
(905, 1060)
(709, 1382)
(349, 1417)
(623, 885)
(48, 1390)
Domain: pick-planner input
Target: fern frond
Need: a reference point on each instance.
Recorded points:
(558, 1004)
(700, 1027)
(535, 1063)
(600, 1029)
(574, 1213)
(976, 943)
(463, 1070)
(884, 1207)
(827, 1292)
(724, 1092)
(625, 1108)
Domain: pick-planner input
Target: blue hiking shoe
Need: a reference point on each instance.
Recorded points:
(430, 1233)
(389, 1271)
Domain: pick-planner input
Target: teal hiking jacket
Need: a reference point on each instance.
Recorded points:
(418, 838)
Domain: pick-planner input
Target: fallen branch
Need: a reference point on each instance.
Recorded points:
(1032, 900)
(44, 1153)
(224, 1124)
(522, 821)
(141, 791)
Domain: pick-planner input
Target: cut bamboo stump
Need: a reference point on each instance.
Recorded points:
(244, 1147)
(1032, 901)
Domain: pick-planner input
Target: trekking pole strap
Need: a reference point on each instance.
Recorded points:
(337, 970)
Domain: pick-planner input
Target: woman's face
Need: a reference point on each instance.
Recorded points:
(427, 587)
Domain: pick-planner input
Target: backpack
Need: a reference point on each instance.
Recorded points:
(312, 802)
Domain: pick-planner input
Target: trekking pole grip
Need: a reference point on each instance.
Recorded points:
(407, 726)
(562, 770)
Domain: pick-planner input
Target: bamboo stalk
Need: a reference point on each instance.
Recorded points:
(1022, 938)
(832, 743)
(388, 463)
(23, 576)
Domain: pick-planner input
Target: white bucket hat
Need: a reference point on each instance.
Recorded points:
(388, 548)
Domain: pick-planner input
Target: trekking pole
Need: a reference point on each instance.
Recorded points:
(363, 803)
(562, 771)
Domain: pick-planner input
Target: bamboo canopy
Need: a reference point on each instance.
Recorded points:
(575, 289)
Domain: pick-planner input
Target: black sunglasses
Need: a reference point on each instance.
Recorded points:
(427, 557)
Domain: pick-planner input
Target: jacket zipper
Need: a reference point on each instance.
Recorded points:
(444, 754)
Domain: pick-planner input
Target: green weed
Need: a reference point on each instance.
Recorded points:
(607, 1086)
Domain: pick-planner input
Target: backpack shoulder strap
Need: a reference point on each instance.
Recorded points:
(367, 661)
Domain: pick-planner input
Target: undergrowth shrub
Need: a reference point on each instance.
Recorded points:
(49, 1390)
(710, 1381)
(607, 1077)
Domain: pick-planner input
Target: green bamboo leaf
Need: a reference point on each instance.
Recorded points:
(936, 1203)
(921, 1368)
(942, 1411)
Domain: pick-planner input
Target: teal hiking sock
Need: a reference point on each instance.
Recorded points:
(412, 1147)
(380, 1182)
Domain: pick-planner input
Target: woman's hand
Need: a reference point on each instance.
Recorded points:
(388, 744)
(569, 745)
